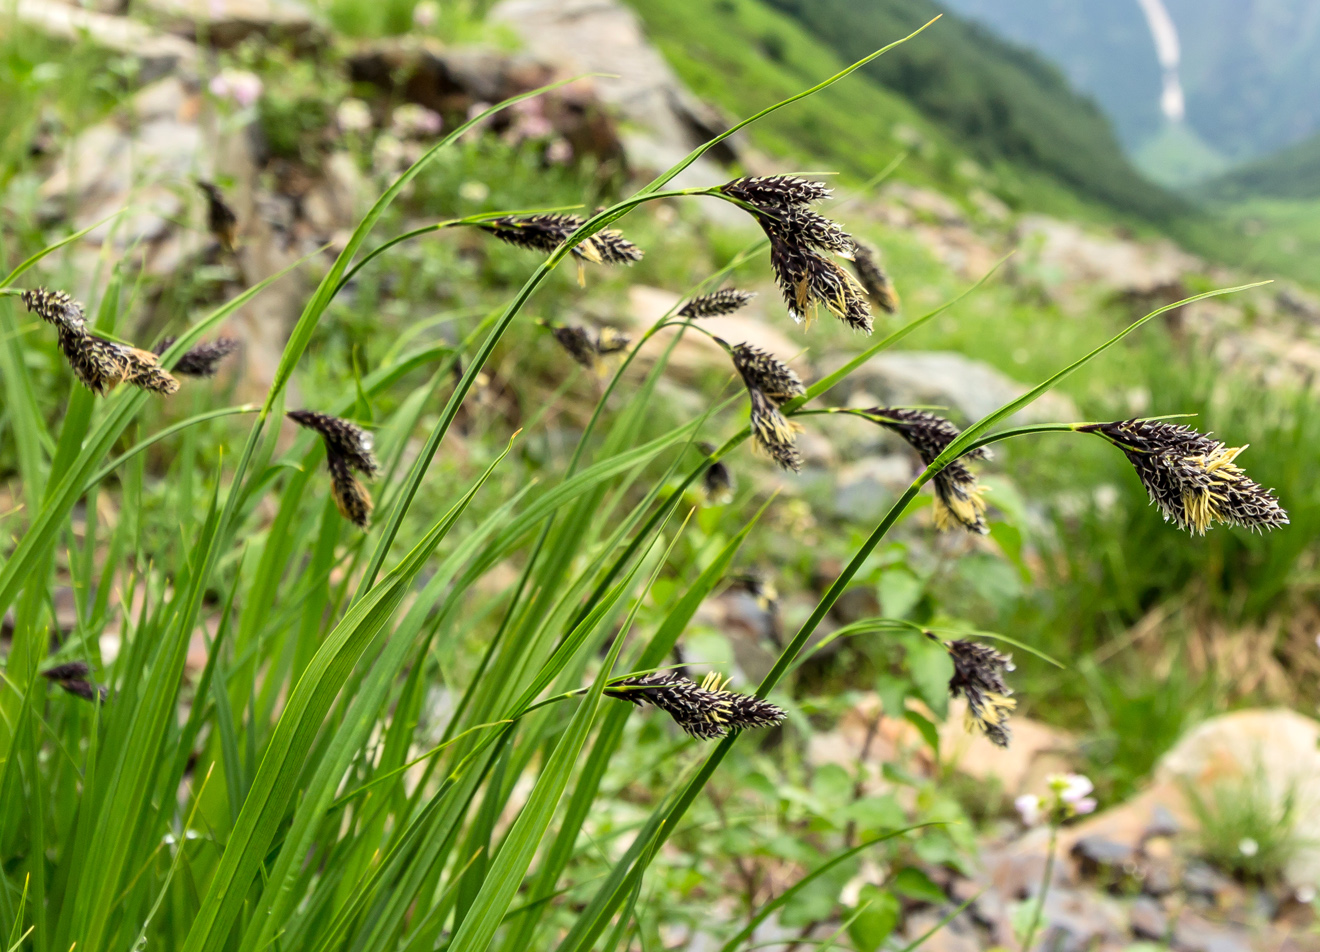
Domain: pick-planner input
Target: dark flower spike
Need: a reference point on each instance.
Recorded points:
(578, 342)
(717, 481)
(767, 373)
(75, 678)
(772, 433)
(957, 495)
(55, 307)
(343, 440)
(879, 288)
(204, 359)
(143, 370)
(1191, 477)
(351, 497)
(547, 232)
(978, 675)
(716, 304)
(707, 710)
(220, 218)
(100, 364)
(777, 191)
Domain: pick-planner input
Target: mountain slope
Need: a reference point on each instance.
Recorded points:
(1293, 173)
(1000, 100)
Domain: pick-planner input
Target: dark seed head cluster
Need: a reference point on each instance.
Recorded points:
(348, 449)
(707, 710)
(874, 278)
(957, 495)
(546, 232)
(203, 360)
(978, 676)
(587, 348)
(1191, 477)
(76, 678)
(220, 218)
(716, 304)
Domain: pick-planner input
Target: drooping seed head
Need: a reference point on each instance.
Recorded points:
(220, 218)
(765, 372)
(343, 440)
(978, 675)
(351, 497)
(610, 340)
(55, 307)
(777, 191)
(718, 303)
(772, 433)
(808, 280)
(578, 342)
(145, 372)
(75, 678)
(874, 279)
(717, 483)
(608, 246)
(546, 232)
(99, 363)
(706, 711)
(204, 359)
(957, 495)
(1191, 477)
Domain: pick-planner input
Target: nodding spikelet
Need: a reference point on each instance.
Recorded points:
(808, 279)
(978, 675)
(145, 372)
(609, 340)
(55, 307)
(343, 440)
(76, 678)
(547, 232)
(717, 482)
(99, 363)
(879, 288)
(706, 711)
(578, 342)
(203, 360)
(772, 433)
(351, 497)
(220, 218)
(777, 191)
(713, 305)
(767, 373)
(957, 496)
(1191, 477)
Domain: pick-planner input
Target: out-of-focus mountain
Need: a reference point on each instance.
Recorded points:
(1293, 173)
(1249, 69)
(1000, 100)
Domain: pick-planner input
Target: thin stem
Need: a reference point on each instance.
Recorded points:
(1044, 889)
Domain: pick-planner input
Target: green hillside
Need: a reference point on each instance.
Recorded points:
(999, 100)
(1291, 173)
(741, 54)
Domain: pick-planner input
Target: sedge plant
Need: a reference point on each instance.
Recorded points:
(286, 794)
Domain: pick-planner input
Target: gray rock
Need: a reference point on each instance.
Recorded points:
(226, 23)
(1096, 851)
(1149, 921)
(1162, 823)
(865, 489)
(1201, 880)
(158, 53)
(969, 388)
(1194, 933)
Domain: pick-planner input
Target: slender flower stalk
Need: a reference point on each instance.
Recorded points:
(706, 711)
(1191, 477)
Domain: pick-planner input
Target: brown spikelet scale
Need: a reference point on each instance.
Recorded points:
(203, 360)
(716, 304)
(706, 711)
(220, 218)
(100, 364)
(978, 675)
(143, 370)
(879, 288)
(767, 373)
(1193, 478)
(351, 497)
(957, 496)
(55, 307)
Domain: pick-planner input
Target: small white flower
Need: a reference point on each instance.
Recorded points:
(426, 14)
(1248, 846)
(1084, 806)
(1075, 788)
(411, 120)
(1029, 808)
(353, 115)
(236, 85)
(474, 191)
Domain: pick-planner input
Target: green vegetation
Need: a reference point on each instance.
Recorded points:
(1293, 173)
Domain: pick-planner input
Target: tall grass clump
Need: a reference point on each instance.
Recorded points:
(306, 787)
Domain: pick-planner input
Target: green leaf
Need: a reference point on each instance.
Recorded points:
(875, 923)
(915, 884)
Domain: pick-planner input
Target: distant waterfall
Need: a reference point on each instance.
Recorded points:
(1167, 49)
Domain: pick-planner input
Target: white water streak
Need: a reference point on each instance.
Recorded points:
(1168, 50)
